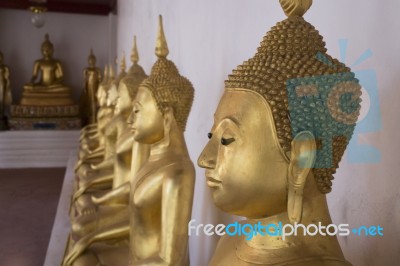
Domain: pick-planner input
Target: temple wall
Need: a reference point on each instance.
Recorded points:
(72, 35)
(208, 38)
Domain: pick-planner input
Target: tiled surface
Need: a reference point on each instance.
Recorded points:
(28, 203)
(37, 149)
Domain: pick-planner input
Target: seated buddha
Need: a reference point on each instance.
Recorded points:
(117, 128)
(46, 88)
(280, 130)
(161, 193)
(92, 136)
(105, 139)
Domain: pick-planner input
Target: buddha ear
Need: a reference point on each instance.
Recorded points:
(168, 122)
(168, 119)
(302, 159)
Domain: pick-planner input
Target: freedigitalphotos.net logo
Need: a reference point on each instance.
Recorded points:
(281, 230)
(328, 106)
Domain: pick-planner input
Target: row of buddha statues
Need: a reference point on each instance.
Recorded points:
(280, 130)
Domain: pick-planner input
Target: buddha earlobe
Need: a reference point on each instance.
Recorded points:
(168, 120)
(302, 159)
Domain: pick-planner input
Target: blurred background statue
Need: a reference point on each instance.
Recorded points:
(46, 86)
(89, 104)
(5, 92)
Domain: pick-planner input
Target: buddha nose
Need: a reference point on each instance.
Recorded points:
(130, 119)
(208, 157)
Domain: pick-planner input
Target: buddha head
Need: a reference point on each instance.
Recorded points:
(129, 84)
(101, 94)
(47, 47)
(164, 99)
(92, 59)
(111, 88)
(284, 121)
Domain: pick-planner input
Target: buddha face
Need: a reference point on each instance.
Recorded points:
(92, 62)
(125, 100)
(245, 168)
(101, 95)
(47, 51)
(146, 121)
(117, 108)
(112, 95)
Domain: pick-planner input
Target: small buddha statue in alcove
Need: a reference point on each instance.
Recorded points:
(46, 87)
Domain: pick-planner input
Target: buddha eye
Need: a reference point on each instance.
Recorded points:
(136, 111)
(209, 135)
(226, 142)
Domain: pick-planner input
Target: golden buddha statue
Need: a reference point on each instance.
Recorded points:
(162, 192)
(48, 90)
(164, 182)
(116, 129)
(92, 75)
(99, 147)
(92, 137)
(101, 99)
(109, 210)
(279, 132)
(5, 92)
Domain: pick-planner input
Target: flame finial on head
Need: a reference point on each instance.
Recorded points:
(123, 62)
(47, 43)
(295, 7)
(135, 53)
(91, 55)
(161, 43)
(111, 72)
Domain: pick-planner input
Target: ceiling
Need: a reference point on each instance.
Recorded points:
(94, 7)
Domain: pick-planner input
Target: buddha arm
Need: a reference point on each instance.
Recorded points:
(109, 163)
(36, 67)
(177, 198)
(125, 143)
(95, 136)
(115, 232)
(97, 182)
(115, 196)
(96, 153)
(59, 73)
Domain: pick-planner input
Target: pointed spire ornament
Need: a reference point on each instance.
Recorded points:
(161, 43)
(135, 53)
(123, 63)
(106, 72)
(111, 72)
(91, 55)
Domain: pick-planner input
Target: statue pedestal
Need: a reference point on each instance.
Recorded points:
(26, 117)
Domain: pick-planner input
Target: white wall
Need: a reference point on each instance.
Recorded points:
(72, 36)
(208, 38)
